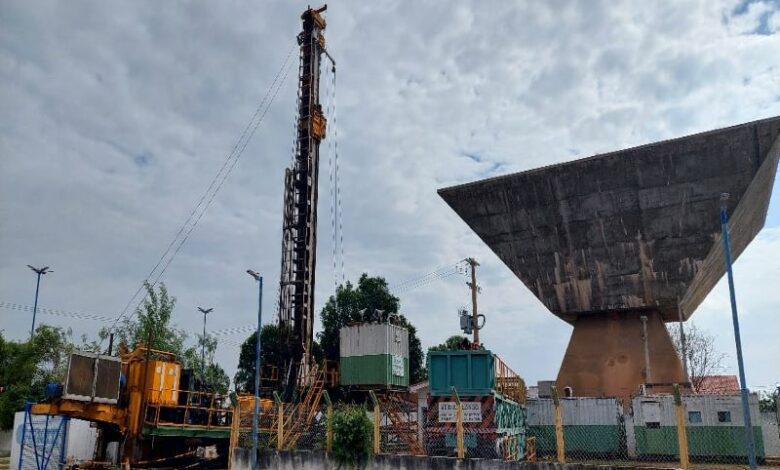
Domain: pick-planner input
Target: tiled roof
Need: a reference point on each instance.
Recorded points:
(718, 384)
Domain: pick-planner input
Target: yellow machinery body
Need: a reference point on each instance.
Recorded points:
(162, 381)
(246, 404)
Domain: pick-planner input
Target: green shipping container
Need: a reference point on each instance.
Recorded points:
(472, 373)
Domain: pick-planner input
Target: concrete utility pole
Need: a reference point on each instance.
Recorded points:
(645, 339)
(683, 352)
(40, 272)
(474, 288)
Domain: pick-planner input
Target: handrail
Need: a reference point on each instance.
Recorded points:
(508, 382)
(221, 410)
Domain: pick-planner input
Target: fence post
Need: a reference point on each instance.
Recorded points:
(279, 421)
(377, 419)
(328, 422)
(682, 436)
(235, 428)
(459, 440)
(560, 445)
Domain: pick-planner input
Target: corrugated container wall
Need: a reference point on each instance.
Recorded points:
(472, 373)
(374, 354)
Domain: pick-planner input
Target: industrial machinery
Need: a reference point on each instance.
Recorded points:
(620, 243)
(142, 400)
(146, 401)
(299, 225)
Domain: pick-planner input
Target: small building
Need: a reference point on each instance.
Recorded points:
(592, 427)
(374, 355)
(714, 424)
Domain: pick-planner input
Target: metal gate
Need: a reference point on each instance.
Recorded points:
(43, 441)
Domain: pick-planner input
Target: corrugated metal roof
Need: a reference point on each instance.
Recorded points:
(368, 339)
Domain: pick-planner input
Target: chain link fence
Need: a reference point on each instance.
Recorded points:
(699, 431)
(655, 430)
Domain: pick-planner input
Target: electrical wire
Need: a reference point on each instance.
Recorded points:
(216, 184)
(431, 277)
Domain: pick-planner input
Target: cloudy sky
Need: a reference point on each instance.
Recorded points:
(115, 117)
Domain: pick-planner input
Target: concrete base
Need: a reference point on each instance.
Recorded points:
(606, 355)
(305, 460)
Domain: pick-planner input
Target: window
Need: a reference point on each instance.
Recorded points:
(724, 416)
(694, 416)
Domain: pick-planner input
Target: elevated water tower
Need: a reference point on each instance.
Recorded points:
(614, 243)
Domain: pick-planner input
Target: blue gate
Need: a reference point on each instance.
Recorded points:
(43, 441)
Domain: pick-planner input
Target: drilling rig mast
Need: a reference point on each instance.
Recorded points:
(299, 228)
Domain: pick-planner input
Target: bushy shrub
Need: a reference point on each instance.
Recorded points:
(352, 435)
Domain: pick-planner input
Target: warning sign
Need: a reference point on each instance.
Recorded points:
(472, 412)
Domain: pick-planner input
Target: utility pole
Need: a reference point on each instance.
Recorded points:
(724, 224)
(205, 312)
(646, 339)
(40, 272)
(474, 289)
(683, 348)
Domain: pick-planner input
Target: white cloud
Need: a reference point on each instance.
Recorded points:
(115, 118)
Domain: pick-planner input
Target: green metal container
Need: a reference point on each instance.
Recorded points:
(374, 355)
(472, 373)
(372, 370)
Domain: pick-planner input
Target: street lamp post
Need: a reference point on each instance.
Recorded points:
(205, 312)
(40, 272)
(258, 348)
(724, 223)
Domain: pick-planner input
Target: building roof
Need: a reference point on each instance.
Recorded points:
(716, 384)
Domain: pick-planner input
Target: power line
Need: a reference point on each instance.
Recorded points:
(61, 313)
(220, 333)
(431, 277)
(216, 184)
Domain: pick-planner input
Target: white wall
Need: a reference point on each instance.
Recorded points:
(80, 444)
(770, 430)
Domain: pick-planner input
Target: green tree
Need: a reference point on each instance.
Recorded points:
(275, 349)
(26, 367)
(212, 374)
(371, 300)
(352, 436)
(453, 343)
(151, 320)
(768, 401)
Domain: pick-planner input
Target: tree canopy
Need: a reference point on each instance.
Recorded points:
(152, 321)
(26, 367)
(453, 343)
(370, 300)
(275, 349)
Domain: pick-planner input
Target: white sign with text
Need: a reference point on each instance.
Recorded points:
(472, 412)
